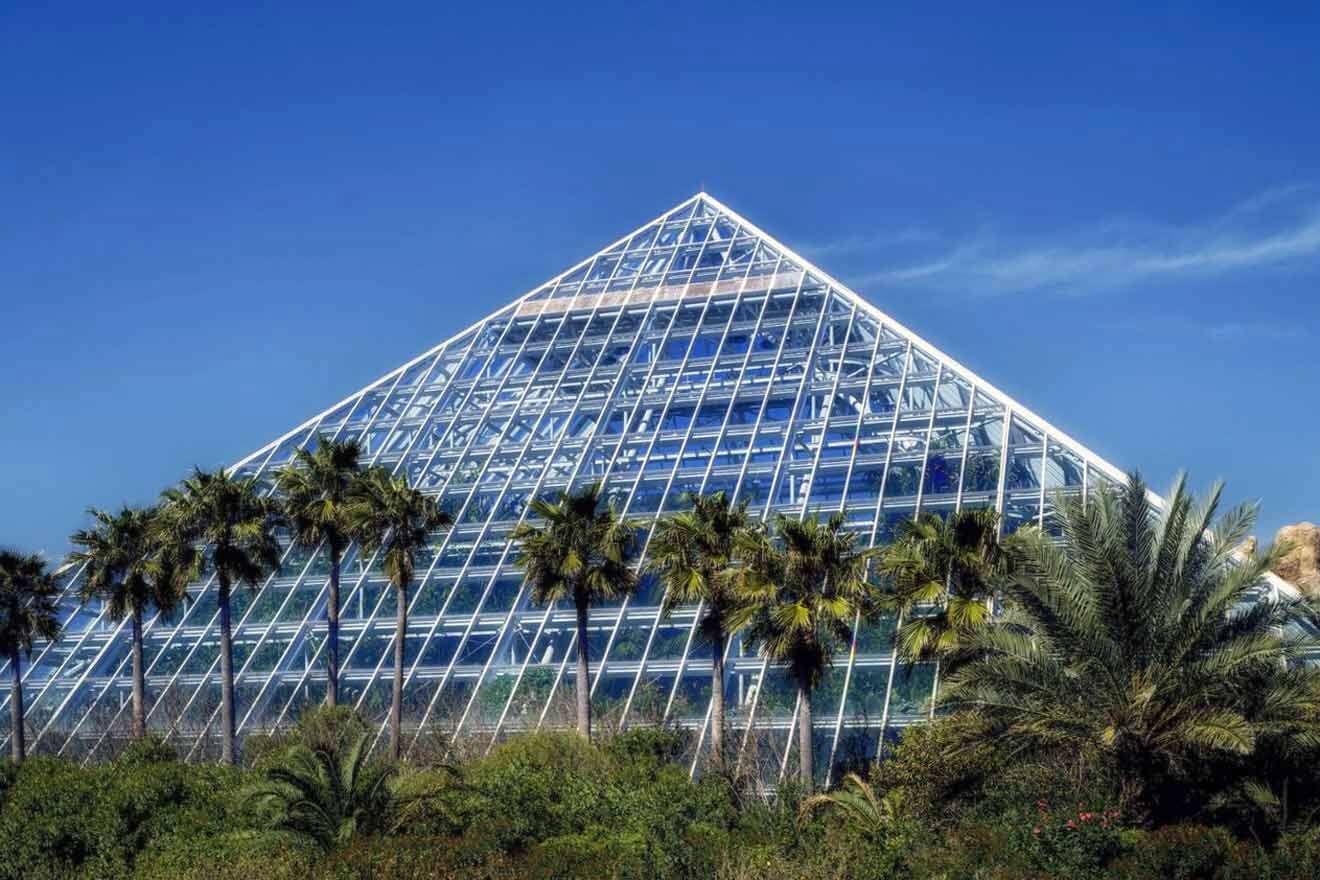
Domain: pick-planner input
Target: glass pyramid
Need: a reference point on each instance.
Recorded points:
(694, 354)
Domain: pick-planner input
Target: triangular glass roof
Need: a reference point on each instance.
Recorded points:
(696, 353)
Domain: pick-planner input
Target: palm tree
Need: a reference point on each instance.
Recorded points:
(128, 567)
(316, 488)
(804, 586)
(580, 551)
(860, 806)
(27, 612)
(693, 553)
(325, 795)
(389, 517)
(949, 563)
(1137, 638)
(216, 522)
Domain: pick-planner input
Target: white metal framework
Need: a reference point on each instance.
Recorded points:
(696, 353)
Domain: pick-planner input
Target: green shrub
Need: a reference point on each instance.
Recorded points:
(594, 854)
(416, 858)
(1296, 856)
(151, 749)
(319, 727)
(61, 820)
(235, 855)
(1178, 852)
(46, 826)
(533, 788)
(647, 749)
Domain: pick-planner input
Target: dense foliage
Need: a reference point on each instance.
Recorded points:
(553, 805)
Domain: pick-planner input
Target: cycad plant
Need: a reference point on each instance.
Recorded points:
(804, 584)
(316, 488)
(215, 522)
(579, 551)
(942, 571)
(692, 551)
(390, 518)
(28, 594)
(128, 567)
(327, 794)
(1138, 638)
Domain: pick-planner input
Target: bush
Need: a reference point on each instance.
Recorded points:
(61, 820)
(416, 858)
(596, 853)
(45, 827)
(1178, 852)
(647, 749)
(533, 788)
(236, 855)
(332, 728)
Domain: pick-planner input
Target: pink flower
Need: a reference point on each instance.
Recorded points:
(1036, 830)
(1086, 817)
(1041, 805)
(1071, 824)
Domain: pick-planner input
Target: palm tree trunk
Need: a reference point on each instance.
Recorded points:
(332, 633)
(396, 703)
(807, 759)
(17, 744)
(228, 754)
(717, 697)
(583, 670)
(139, 685)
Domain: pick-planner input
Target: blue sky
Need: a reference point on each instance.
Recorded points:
(214, 226)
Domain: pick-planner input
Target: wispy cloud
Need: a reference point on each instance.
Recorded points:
(1275, 228)
(1215, 330)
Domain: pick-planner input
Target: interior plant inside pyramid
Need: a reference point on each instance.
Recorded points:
(696, 354)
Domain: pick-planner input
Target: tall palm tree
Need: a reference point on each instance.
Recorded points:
(581, 551)
(693, 553)
(218, 523)
(1137, 638)
(804, 585)
(389, 517)
(27, 612)
(950, 564)
(129, 568)
(316, 489)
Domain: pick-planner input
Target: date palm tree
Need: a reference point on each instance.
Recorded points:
(692, 551)
(28, 593)
(804, 582)
(580, 551)
(948, 564)
(389, 517)
(316, 489)
(215, 522)
(128, 567)
(1140, 639)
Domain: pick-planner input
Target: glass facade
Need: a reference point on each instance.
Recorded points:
(695, 354)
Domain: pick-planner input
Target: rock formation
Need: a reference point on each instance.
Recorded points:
(1300, 564)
